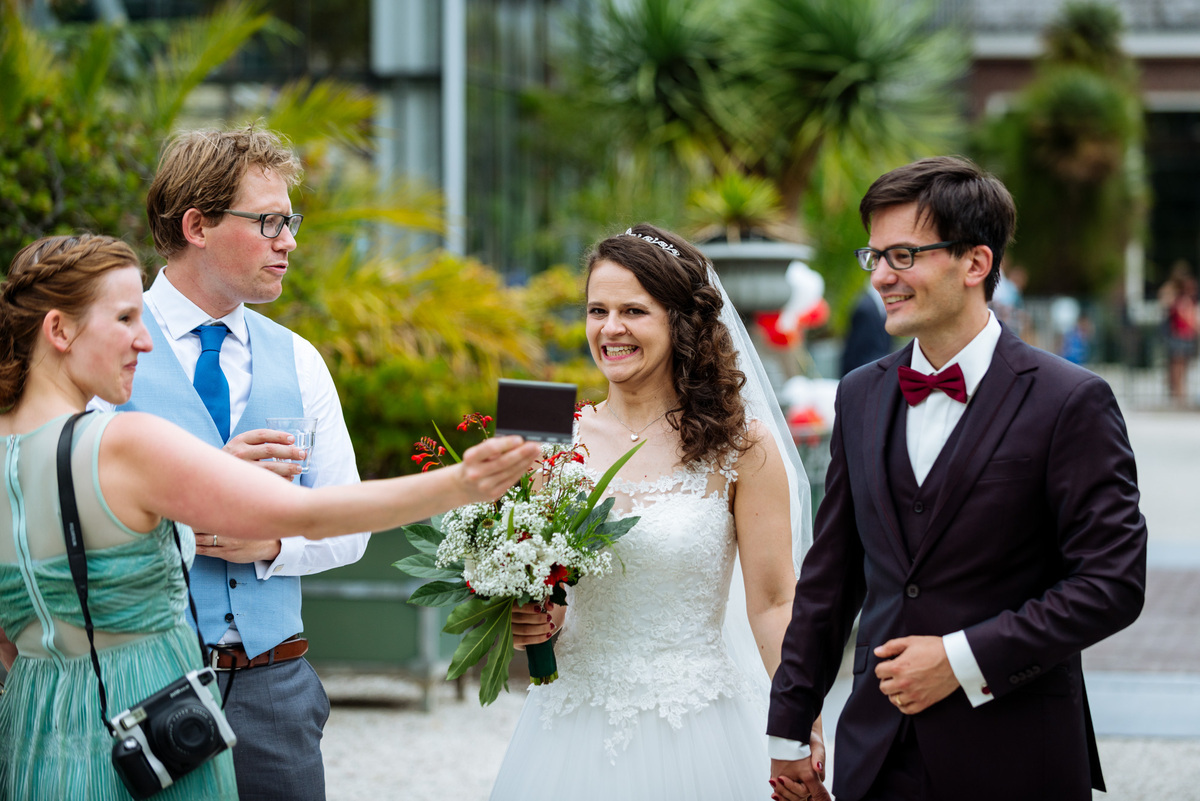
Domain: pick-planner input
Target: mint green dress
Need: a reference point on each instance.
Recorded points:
(53, 742)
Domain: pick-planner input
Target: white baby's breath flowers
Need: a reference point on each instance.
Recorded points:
(530, 560)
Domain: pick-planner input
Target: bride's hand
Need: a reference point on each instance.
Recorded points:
(535, 623)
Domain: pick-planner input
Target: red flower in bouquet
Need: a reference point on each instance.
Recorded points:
(543, 535)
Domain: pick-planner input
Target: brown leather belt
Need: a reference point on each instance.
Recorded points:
(233, 657)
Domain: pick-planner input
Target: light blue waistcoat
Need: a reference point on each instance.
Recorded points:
(266, 612)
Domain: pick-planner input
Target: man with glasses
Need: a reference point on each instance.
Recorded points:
(221, 218)
(980, 511)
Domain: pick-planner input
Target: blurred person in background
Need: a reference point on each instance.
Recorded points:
(1180, 328)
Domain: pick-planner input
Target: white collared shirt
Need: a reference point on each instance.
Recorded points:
(930, 424)
(931, 421)
(333, 458)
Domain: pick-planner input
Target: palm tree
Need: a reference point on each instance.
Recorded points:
(780, 89)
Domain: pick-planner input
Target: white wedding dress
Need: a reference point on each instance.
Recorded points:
(649, 703)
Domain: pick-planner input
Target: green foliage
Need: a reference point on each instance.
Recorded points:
(843, 87)
(564, 510)
(734, 203)
(714, 101)
(410, 334)
(1088, 34)
(64, 165)
(1068, 151)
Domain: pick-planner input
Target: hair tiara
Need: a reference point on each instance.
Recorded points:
(653, 240)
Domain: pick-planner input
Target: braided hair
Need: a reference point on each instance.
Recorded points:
(55, 272)
(711, 416)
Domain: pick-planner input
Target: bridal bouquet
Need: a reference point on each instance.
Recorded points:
(542, 536)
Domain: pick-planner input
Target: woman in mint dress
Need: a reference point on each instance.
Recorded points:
(71, 329)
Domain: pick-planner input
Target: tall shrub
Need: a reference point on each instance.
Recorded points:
(1070, 150)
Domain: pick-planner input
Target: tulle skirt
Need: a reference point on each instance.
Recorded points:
(718, 754)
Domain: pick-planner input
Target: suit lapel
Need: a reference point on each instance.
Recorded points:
(878, 420)
(994, 405)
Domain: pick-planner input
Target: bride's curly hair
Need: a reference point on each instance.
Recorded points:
(55, 272)
(711, 416)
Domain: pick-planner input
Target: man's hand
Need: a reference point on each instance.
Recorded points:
(263, 444)
(916, 673)
(234, 550)
(797, 780)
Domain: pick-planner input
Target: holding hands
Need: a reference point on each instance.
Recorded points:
(802, 779)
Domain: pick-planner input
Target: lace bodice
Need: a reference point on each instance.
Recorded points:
(648, 635)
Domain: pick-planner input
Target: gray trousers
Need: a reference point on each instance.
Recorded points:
(278, 713)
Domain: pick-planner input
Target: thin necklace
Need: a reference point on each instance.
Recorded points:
(633, 435)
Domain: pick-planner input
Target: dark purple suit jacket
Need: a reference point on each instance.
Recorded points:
(1036, 549)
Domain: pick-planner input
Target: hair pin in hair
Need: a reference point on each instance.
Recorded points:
(662, 243)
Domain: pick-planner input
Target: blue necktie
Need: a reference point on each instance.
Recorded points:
(209, 381)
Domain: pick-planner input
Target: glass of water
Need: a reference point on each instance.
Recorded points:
(304, 430)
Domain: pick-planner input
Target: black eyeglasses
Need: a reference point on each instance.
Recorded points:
(900, 258)
(271, 223)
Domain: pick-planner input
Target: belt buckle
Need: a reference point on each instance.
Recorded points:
(213, 656)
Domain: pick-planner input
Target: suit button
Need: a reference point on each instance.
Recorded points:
(1014, 679)
(229, 617)
(912, 590)
(918, 507)
(232, 583)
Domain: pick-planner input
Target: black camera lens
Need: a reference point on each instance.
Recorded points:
(187, 735)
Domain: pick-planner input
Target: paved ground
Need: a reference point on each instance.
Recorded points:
(1144, 683)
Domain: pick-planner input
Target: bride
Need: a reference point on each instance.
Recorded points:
(661, 693)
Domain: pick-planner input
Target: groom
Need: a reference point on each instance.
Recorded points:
(981, 511)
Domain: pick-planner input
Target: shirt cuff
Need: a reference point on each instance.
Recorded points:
(966, 669)
(787, 750)
(290, 549)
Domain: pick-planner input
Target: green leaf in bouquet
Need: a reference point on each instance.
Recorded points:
(453, 455)
(440, 593)
(424, 565)
(495, 621)
(602, 485)
(472, 613)
(425, 539)
(597, 516)
(609, 532)
(495, 672)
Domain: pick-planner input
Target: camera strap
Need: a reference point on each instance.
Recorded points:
(77, 558)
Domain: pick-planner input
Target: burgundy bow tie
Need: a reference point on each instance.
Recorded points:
(917, 386)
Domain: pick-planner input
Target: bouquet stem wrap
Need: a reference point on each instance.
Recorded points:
(543, 668)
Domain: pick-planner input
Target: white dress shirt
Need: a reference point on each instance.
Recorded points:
(929, 426)
(332, 457)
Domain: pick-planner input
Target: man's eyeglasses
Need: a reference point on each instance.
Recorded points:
(900, 258)
(271, 223)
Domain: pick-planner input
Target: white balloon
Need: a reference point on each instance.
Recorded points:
(808, 288)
